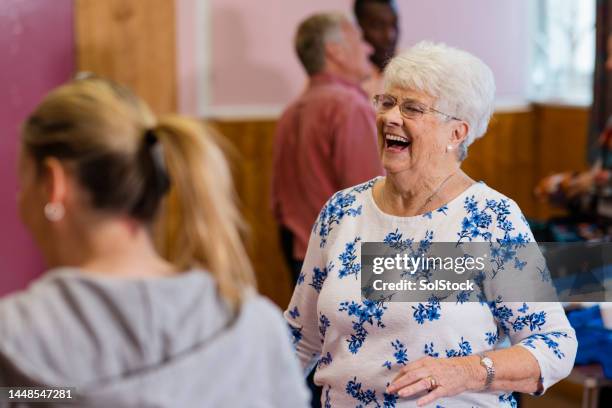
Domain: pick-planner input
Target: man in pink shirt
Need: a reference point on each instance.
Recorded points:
(326, 139)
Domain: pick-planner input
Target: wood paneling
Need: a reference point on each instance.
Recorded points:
(518, 149)
(252, 168)
(561, 134)
(503, 158)
(132, 42)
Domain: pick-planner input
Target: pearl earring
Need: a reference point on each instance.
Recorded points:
(54, 211)
(449, 148)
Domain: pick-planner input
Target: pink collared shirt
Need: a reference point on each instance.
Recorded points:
(325, 141)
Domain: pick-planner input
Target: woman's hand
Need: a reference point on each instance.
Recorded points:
(443, 377)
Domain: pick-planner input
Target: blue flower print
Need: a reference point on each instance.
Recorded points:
(301, 278)
(478, 222)
(400, 354)
(319, 276)
(325, 360)
(442, 210)
(508, 400)
(323, 325)
(368, 312)
(394, 240)
(430, 311)
(296, 334)
(295, 313)
(548, 339)
(463, 296)
(518, 264)
(364, 186)
(504, 315)
(350, 266)
(429, 350)
(368, 396)
(327, 403)
(465, 349)
(339, 206)
(492, 338)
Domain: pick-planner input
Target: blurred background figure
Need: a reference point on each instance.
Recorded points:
(378, 20)
(586, 195)
(325, 140)
(128, 316)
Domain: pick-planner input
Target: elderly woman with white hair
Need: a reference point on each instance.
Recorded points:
(437, 101)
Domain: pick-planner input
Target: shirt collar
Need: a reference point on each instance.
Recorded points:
(324, 78)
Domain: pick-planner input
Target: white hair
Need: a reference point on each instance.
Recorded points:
(462, 84)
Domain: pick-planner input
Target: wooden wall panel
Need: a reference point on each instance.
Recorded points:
(252, 168)
(520, 148)
(503, 158)
(562, 144)
(132, 42)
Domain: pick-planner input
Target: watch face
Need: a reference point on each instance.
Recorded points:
(487, 362)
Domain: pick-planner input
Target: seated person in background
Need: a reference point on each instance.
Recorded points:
(587, 195)
(127, 320)
(325, 140)
(587, 192)
(378, 21)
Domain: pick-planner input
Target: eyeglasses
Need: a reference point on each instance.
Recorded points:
(409, 108)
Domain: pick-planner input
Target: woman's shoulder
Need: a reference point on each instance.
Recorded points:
(491, 197)
(346, 202)
(494, 210)
(343, 205)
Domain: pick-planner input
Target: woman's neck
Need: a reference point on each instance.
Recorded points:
(117, 247)
(407, 196)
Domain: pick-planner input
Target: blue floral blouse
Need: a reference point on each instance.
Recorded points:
(358, 346)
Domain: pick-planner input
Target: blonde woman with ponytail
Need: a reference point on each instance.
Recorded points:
(150, 299)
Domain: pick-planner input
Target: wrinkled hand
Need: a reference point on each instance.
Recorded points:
(452, 376)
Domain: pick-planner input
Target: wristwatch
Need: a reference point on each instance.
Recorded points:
(487, 363)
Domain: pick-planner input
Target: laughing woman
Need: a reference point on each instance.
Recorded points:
(437, 101)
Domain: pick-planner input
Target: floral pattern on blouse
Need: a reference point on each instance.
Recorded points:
(358, 345)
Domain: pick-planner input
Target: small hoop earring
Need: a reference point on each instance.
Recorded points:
(449, 148)
(54, 211)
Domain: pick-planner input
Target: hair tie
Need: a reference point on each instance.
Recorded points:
(156, 152)
(150, 138)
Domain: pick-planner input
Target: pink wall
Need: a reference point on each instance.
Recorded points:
(252, 60)
(36, 45)
(187, 65)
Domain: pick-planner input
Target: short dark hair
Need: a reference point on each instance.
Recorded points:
(358, 7)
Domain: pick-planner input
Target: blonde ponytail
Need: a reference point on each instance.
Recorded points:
(111, 136)
(199, 223)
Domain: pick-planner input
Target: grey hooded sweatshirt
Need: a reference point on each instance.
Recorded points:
(155, 342)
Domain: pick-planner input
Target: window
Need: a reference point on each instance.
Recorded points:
(563, 50)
